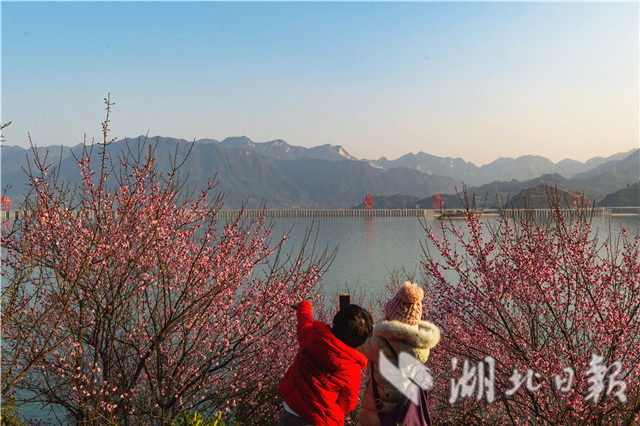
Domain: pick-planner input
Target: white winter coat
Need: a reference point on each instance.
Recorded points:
(403, 338)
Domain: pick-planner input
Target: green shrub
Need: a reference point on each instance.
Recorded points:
(8, 413)
(194, 418)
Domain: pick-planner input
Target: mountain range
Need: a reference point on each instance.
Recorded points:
(327, 176)
(521, 168)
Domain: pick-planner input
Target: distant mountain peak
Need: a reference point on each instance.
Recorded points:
(342, 152)
(238, 142)
(279, 149)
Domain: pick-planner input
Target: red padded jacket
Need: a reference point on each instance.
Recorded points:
(323, 383)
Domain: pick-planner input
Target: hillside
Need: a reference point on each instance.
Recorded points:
(228, 166)
(248, 177)
(496, 193)
(536, 198)
(626, 197)
(345, 183)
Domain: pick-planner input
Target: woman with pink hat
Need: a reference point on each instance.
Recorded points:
(403, 330)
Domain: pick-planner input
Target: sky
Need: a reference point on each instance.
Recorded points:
(475, 80)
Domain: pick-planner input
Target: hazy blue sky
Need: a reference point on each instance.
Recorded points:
(473, 80)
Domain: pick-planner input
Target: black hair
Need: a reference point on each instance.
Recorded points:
(352, 325)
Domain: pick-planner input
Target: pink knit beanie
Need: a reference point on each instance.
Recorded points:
(406, 305)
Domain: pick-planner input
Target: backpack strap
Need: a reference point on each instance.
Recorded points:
(376, 394)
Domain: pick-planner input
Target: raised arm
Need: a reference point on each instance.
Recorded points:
(305, 318)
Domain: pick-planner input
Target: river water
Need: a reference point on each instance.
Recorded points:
(369, 250)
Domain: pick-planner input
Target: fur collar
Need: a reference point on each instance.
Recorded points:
(426, 336)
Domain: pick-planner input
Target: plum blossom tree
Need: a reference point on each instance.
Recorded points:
(126, 300)
(545, 313)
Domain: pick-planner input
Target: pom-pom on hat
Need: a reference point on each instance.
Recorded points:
(406, 305)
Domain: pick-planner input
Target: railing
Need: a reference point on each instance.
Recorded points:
(331, 213)
(598, 211)
(299, 213)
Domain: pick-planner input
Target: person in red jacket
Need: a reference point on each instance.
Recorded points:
(322, 384)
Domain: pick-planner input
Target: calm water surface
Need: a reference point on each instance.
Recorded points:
(369, 249)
